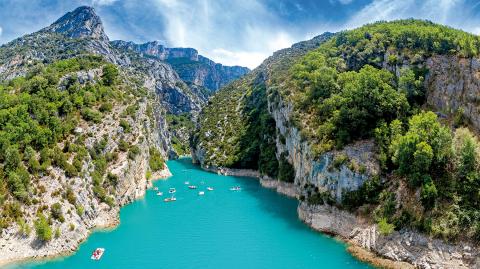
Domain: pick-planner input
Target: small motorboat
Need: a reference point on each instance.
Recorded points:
(210, 188)
(236, 188)
(187, 182)
(172, 190)
(201, 193)
(192, 187)
(159, 193)
(155, 188)
(171, 199)
(97, 254)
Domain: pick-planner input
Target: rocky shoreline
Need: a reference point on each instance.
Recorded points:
(17, 248)
(401, 249)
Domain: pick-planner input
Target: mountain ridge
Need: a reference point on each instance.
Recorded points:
(188, 63)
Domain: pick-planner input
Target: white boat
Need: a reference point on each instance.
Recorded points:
(210, 188)
(236, 188)
(159, 193)
(155, 188)
(192, 187)
(201, 193)
(171, 199)
(172, 190)
(187, 182)
(97, 254)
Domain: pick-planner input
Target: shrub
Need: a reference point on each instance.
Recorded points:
(125, 125)
(123, 145)
(110, 74)
(133, 152)
(384, 227)
(89, 114)
(56, 211)
(42, 228)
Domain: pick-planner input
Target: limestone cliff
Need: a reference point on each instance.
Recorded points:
(190, 66)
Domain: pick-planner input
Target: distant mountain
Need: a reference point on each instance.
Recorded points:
(189, 65)
(81, 32)
(80, 23)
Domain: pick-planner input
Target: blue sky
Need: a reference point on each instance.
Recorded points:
(234, 32)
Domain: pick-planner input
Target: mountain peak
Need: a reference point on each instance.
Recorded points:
(79, 23)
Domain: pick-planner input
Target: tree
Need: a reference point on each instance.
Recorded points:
(426, 143)
(156, 161)
(467, 164)
(410, 85)
(12, 158)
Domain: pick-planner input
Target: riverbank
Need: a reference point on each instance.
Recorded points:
(400, 249)
(15, 248)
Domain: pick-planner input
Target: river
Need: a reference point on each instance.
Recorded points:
(251, 228)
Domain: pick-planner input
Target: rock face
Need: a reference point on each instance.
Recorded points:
(146, 132)
(82, 31)
(80, 23)
(403, 246)
(155, 49)
(190, 66)
(320, 171)
(453, 85)
(77, 33)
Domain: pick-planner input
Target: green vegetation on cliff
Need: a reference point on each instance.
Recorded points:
(39, 116)
(240, 133)
(366, 83)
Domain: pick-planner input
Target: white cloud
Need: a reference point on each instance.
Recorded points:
(1, 30)
(243, 58)
(103, 2)
(234, 32)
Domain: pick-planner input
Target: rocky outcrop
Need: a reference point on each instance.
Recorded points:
(80, 23)
(320, 171)
(81, 31)
(400, 246)
(190, 66)
(157, 50)
(453, 86)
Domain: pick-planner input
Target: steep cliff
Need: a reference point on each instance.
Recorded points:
(351, 130)
(190, 66)
(85, 126)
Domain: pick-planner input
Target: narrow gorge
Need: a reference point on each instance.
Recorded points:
(370, 132)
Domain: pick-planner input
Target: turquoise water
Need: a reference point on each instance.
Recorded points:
(252, 228)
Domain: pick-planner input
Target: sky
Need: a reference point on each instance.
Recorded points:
(233, 32)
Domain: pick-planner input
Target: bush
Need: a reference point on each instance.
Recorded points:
(42, 228)
(133, 152)
(110, 74)
(368, 193)
(57, 232)
(112, 179)
(123, 145)
(56, 211)
(125, 125)
(70, 196)
(384, 227)
(106, 107)
(91, 115)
